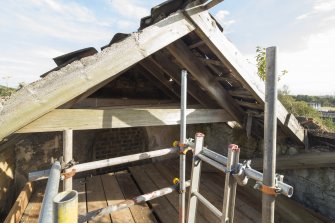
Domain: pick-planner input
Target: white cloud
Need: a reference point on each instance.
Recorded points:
(70, 9)
(319, 7)
(221, 17)
(312, 70)
(130, 8)
(34, 31)
(324, 5)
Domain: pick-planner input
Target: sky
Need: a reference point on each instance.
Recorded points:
(32, 32)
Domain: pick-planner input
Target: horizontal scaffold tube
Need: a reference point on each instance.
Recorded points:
(43, 174)
(286, 189)
(96, 214)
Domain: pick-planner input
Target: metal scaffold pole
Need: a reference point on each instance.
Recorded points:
(67, 153)
(182, 164)
(270, 136)
(51, 190)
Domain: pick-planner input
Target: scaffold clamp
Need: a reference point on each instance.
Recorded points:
(176, 182)
(184, 147)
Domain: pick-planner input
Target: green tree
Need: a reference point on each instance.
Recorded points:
(294, 106)
(261, 64)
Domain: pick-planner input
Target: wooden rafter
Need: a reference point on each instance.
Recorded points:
(203, 76)
(160, 76)
(162, 84)
(80, 119)
(208, 31)
(170, 68)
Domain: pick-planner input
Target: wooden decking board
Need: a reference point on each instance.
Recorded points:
(161, 205)
(213, 190)
(114, 196)
(96, 197)
(122, 185)
(203, 213)
(141, 212)
(33, 208)
(173, 167)
(80, 187)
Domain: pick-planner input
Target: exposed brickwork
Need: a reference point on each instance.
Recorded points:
(119, 142)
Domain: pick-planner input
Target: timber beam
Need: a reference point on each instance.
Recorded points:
(160, 76)
(170, 68)
(300, 161)
(62, 86)
(209, 32)
(81, 119)
(158, 79)
(204, 78)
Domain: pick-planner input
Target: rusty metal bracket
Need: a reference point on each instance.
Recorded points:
(273, 191)
(68, 174)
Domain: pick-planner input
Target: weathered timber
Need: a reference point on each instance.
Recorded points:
(114, 102)
(250, 105)
(79, 186)
(197, 44)
(160, 75)
(181, 52)
(160, 83)
(140, 212)
(300, 161)
(73, 80)
(96, 197)
(174, 72)
(80, 119)
(17, 210)
(114, 196)
(241, 93)
(162, 206)
(228, 54)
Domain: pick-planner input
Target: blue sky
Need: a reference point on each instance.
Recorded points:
(32, 32)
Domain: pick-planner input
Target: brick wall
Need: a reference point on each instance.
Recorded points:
(112, 143)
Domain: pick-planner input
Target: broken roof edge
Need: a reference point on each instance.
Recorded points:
(59, 87)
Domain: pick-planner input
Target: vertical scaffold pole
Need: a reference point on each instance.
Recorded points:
(182, 162)
(67, 154)
(230, 184)
(270, 135)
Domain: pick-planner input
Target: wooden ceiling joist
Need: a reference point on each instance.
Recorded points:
(208, 31)
(203, 76)
(81, 119)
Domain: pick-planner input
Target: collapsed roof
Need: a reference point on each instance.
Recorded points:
(177, 35)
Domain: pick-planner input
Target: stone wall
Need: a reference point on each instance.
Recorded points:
(313, 187)
(7, 168)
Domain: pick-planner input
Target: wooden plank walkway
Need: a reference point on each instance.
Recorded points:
(102, 190)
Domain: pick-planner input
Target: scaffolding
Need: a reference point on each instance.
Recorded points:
(60, 207)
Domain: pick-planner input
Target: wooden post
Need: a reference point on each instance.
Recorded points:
(68, 155)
